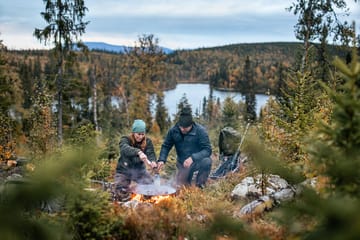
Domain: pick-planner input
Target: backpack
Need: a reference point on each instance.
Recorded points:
(229, 144)
(229, 141)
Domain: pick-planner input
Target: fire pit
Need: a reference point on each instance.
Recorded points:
(152, 193)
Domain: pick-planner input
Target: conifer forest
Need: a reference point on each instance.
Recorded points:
(60, 132)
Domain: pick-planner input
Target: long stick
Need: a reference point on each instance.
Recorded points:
(242, 139)
(238, 158)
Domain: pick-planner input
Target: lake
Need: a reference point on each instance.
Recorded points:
(195, 93)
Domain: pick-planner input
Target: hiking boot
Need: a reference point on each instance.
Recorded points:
(201, 186)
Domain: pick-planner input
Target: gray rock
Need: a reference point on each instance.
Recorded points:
(285, 194)
(257, 206)
(251, 186)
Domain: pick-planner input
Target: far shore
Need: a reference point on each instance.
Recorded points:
(215, 88)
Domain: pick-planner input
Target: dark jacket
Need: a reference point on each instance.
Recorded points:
(129, 158)
(195, 143)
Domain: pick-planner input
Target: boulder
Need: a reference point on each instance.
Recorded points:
(250, 187)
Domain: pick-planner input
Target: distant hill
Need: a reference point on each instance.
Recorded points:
(224, 65)
(101, 46)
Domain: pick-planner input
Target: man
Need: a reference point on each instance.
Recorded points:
(192, 147)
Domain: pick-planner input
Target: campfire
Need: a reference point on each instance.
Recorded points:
(152, 193)
(149, 199)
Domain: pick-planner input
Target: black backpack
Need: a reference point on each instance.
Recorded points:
(229, 149)
(229, 141)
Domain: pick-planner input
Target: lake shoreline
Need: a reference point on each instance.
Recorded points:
(214, 88)
(196, 93)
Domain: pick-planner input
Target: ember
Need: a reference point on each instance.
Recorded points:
(149, 199)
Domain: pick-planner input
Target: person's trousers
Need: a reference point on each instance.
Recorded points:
(123, 181)
(184, 175)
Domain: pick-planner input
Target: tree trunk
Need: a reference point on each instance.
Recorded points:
(95, 100)
(95, 108)
(59, 81)
(123, 95)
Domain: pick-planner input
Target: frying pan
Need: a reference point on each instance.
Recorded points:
(153, 190)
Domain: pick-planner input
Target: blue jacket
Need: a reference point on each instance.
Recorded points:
(195, 143)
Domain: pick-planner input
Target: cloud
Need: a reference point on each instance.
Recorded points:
(177, 24)
(203, 30)
(184, 8)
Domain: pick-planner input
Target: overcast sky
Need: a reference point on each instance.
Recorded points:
(178, 24)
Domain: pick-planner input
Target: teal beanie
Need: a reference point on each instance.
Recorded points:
(138, 126)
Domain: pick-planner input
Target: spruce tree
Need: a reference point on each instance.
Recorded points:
(294, 117)
(339, 148)
(161, 115)
(249, 91)
(184, 102)
(65, 26)
(230, 113)
(333, 211)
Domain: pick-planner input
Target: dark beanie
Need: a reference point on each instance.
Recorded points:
(185, 119)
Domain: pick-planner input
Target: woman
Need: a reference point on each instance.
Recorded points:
(136, 150)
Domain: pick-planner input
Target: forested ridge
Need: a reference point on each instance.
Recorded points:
(60, 129)
(111, 76)
(224, 66)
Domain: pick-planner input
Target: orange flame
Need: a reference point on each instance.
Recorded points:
(151, 199)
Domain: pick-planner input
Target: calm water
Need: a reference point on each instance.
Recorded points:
(195, 93)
